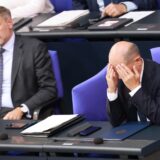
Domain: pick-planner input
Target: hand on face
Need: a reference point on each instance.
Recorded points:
(114, 10)
(15, 114)
(130, 78)
(112, 79)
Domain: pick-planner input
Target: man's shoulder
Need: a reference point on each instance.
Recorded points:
(152, 68)
(28, 40)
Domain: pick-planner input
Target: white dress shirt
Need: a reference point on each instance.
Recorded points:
(27, 8)
(7, 69)
(129, 5)
(7, 72)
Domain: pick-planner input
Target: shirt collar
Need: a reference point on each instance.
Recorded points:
(142, 70)
(10, 43)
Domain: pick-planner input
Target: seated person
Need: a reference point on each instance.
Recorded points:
(115, 7)
(27, 8)
(26, 76)
(133, 92)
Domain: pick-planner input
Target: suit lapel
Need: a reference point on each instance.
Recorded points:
(147, 78)
(93, 6)
(17, 55)
(129, 110)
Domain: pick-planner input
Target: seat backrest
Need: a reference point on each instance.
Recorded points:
(158, 2)
(89, 97)
(56, 70)
(155, 54)
(62, 5)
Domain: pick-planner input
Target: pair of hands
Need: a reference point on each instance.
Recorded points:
(114, 10)
(15, 114)
(131, 78)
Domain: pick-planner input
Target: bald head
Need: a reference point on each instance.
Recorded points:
(123, 52)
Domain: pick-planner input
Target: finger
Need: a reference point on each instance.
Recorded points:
(126, 68)
(108, 10)
(6, 117)
(121, 71)
(10, 117)
(109, 66)
(110, 70)
(113, 11)
(111, 73)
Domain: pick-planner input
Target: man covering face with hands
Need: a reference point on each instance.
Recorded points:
(133, 92)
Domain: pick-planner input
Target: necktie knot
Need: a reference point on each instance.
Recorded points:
(1, 50)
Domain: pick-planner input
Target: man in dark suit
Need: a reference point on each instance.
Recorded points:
(27, 80)
(115, 8)
(133, 91)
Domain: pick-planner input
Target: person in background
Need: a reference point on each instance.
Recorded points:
(26, 76)
(115, 8)
(133, 92)
(27, 8)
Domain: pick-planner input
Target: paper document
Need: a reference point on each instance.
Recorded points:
(137, 15)
(63, 18)
(49, 123)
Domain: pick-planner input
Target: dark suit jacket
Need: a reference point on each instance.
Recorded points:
(79, 4)
(93, 6)
(146, 100)
(32, 81)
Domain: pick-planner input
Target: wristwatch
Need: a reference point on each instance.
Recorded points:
(23, 108)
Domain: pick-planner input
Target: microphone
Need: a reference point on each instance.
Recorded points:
(3, 136)
(96, 140)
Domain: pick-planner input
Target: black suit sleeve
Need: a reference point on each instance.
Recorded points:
(146, 4)
(79, 4)
(148, 103)
(46, 84)
(116, 112)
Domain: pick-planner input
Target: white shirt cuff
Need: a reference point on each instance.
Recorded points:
(112, 96)
(26, 110)
(130, 6)
(132, 93)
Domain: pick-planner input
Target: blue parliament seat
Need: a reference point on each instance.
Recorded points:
(155, 54)
(43, 112)
(62, 5)
(89, 97)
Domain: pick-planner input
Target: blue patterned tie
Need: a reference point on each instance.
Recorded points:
(1, 73)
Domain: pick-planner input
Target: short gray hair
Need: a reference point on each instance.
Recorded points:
(4, 12)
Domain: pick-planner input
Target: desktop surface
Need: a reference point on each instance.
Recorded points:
(125, 32)
(141, 144)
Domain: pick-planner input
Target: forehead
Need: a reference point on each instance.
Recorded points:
(116, 59)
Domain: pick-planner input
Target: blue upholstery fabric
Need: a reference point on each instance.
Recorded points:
(56, 70)
(62, 5)
(155, 54)
(89, 97)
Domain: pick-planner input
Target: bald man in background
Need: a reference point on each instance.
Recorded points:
(133, 92)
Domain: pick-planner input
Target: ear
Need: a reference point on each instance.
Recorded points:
(10, 23)
(138, 60)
